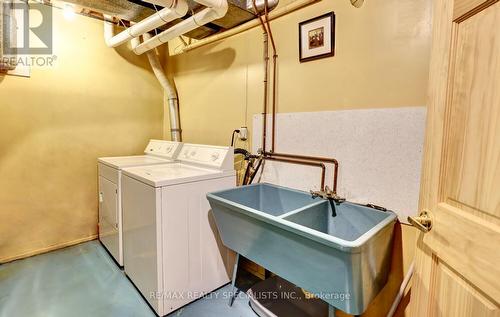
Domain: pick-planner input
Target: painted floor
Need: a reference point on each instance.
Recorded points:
(84, 281)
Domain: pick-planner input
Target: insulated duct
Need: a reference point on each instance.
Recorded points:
(216, 9)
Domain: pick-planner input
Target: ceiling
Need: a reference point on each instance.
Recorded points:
(239, 11)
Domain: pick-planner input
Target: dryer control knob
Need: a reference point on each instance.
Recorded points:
(215, 156)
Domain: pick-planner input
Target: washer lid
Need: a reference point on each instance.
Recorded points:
(120, 162)
(171, 174)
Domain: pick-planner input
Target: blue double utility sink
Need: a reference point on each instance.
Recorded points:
(342, 255)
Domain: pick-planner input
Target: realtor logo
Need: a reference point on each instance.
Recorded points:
(26, 28)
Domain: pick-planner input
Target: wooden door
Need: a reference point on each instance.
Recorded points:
(457, 264)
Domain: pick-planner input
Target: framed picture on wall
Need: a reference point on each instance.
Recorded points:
(317, 37)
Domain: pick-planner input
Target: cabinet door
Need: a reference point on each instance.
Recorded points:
(108, 215)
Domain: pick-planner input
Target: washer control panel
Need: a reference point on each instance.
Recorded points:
(162, 148)
(220, 157)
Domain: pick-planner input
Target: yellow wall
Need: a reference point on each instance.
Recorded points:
(381, 60)
(100, 102)
(53, 126)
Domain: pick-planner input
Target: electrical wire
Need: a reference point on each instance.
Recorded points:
(232, 137)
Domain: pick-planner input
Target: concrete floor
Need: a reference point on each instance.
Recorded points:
(84, 281)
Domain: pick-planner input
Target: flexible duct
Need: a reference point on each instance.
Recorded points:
(174, 10)
(216, 9)
(173, 100)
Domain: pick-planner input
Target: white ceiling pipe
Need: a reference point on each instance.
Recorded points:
(108, 29)
(135, 41)
(217, 10)
(168, 87)
(152, 22)
(173, 100)
(157, 68)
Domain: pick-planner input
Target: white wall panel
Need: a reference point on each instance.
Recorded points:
(379, 152)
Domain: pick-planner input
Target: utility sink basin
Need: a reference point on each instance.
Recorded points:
(268, 199)
(347, 221)
(341, 255)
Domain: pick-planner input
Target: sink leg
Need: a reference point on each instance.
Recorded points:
(331, 311)
(234, 290)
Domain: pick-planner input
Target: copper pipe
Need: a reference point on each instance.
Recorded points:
(266, 89)
(258, 16)
(312, 158)
(275, 56)
(266, 13)
(284, 157)
(273, 133)
(302, 162)
(266, 74)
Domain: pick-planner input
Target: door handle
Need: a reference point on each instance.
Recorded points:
(422, 222)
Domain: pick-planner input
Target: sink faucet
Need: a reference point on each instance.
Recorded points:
(329, 195)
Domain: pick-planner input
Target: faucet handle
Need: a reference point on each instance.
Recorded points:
(328, 190)
(317, 193)
(338, 199)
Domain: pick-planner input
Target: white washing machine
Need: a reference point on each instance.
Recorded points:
(110, 193)
(173, 253)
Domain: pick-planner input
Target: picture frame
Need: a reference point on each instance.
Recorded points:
(317, 37)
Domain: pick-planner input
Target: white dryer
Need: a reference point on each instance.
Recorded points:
(173, 253)
(110, 193)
